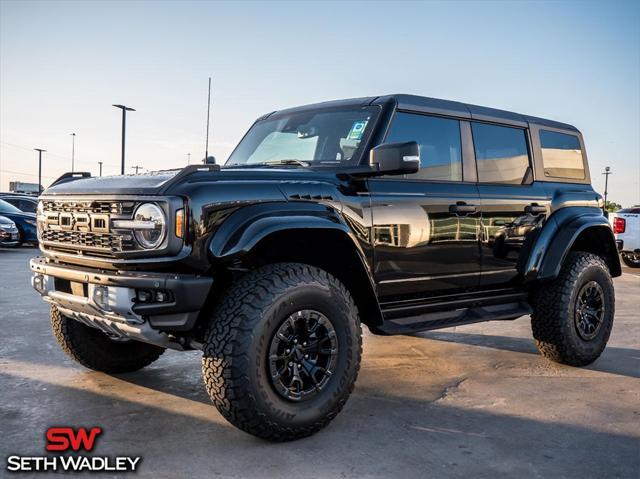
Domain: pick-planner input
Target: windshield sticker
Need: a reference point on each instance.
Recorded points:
(357, 130)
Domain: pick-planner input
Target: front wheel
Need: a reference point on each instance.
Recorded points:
(282, 351)
(95, 350)
(573, 315)
(631, 260)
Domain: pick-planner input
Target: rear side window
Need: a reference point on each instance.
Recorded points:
(561, 155)
(440, 144)
(502, 155)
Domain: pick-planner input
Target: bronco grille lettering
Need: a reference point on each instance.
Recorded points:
(92, 223)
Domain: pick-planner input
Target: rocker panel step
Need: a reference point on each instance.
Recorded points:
(446, 319)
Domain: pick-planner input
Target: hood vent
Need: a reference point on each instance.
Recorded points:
(298, 196)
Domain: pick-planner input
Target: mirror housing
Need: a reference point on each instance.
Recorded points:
(395, 158)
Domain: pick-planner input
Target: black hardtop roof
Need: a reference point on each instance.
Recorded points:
(438, 106)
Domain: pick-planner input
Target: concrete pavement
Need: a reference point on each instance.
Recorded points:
(472, 401)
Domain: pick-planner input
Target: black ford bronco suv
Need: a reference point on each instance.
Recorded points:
(401, 212)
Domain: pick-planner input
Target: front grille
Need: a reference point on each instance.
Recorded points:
(89, 206)
(110, 241)
(84, 226)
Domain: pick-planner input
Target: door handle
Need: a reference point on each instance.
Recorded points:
(462, 207)
(535, 209)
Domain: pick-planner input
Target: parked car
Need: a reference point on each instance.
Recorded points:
(25, 222)
(25, 203)
(404, 213)
(626, 227)
(9, 235)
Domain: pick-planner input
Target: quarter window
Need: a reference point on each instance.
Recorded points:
(439, 140)
(501, 153)
(561, 155)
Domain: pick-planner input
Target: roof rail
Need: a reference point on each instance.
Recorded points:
(71, 176)
(189, 170)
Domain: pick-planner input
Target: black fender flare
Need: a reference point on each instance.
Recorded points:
(249, 225)
(558, 236)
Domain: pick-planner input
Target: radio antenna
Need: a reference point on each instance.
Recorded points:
(206, 148)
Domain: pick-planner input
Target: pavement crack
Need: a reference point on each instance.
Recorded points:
(451, 388)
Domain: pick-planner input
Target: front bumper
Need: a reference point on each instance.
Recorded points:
(111, 301)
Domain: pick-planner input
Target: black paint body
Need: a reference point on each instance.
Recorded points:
(403, 246)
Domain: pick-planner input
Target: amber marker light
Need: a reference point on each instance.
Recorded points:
(180, 223)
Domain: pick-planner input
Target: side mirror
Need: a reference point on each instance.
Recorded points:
(396, 158)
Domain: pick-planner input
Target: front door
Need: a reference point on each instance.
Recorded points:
(426, 225)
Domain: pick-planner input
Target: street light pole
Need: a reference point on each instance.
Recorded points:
(124, 109)
(188, 158)
(136, 168)
(100, 163)
(607, 172)
(40, 151)
(73, 151)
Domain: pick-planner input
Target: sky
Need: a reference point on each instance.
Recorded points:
(63, 64)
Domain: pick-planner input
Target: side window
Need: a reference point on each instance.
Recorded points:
(440, 145)
(561, 155)
(27, 206)
(501, 153)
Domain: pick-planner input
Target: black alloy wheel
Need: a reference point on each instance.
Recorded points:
(590, 310)
(303, 355)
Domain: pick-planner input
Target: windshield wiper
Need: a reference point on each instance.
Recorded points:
(288, 161)
(285, 162)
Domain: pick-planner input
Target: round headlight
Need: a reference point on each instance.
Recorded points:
(40, 218)
(155, 225)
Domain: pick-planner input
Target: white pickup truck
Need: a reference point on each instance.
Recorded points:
(626, 227)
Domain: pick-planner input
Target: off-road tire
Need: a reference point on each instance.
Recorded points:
(554, 308)
(94, 350)
(630, 262)
(236, 345)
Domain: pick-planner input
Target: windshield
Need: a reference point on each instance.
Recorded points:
(312, 137)
(8, 208)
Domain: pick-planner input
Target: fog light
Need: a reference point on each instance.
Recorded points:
(161, 296)
(38, 283)
(101, 297)
(144, 296)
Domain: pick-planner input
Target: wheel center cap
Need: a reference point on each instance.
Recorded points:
(297, 352)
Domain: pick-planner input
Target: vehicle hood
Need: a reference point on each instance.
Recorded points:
(169, 182)
(148, 183)
(4, 220)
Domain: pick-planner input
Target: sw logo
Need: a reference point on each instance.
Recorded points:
(73, 442)
(65, 438)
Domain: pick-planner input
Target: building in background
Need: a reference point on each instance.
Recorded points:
(25, 188)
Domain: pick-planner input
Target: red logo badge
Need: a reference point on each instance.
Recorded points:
(65, 438)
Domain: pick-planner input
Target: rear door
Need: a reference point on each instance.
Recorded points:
(513, 206)
(426, 225)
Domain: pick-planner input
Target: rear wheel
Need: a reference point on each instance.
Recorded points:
(631, 260)
(282, 351)
(95, 350)
(573, 315)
